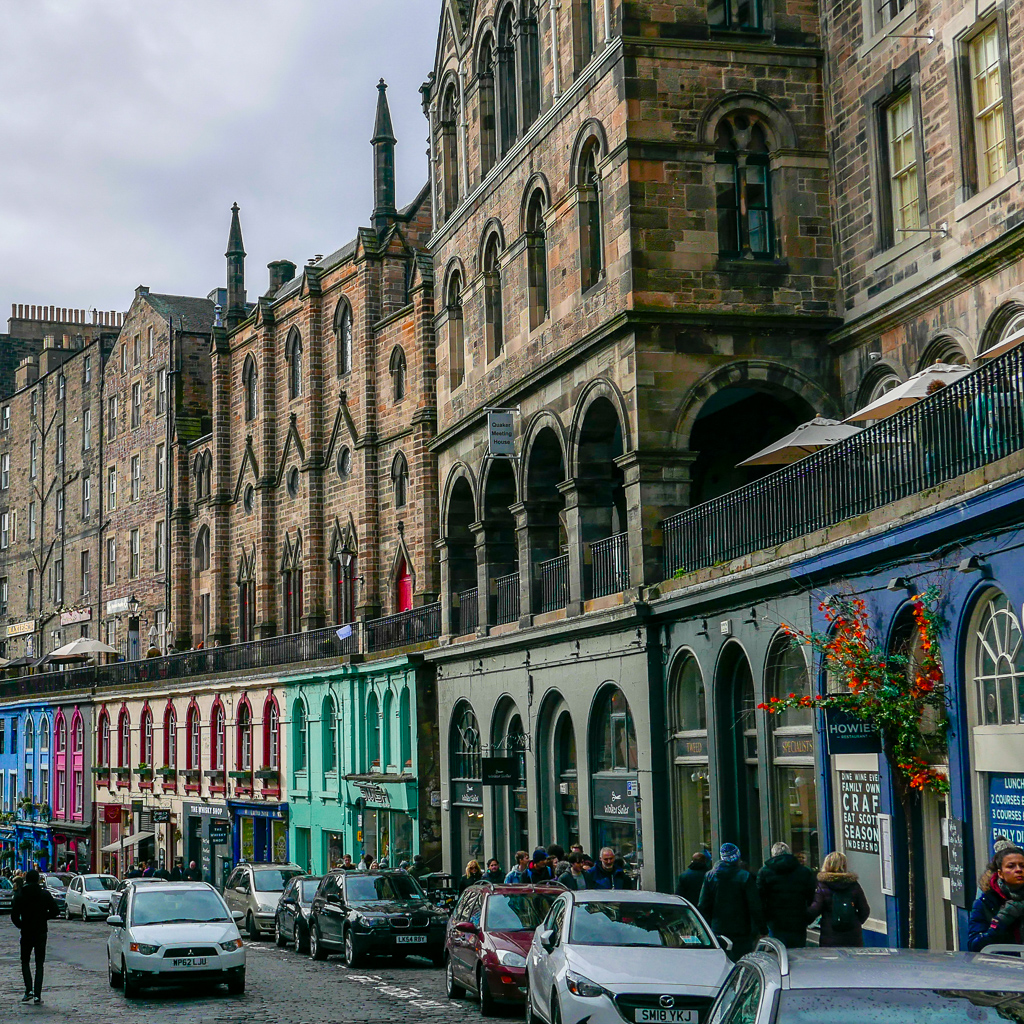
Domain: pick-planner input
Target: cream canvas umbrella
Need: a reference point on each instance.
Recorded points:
(911, 391)
(807, 438)
(81, 647)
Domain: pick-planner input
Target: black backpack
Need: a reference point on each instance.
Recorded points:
(844, 913)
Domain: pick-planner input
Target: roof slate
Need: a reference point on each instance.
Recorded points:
(194, 314)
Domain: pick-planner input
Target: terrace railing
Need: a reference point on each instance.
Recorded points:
(403, 628)
(468, 617)
(609, 565)
(506, 590)
(554, 583)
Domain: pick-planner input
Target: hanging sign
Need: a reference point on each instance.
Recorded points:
(613, 800)
(499, 771)
(848, 734)
(161, 816)
(501, 440)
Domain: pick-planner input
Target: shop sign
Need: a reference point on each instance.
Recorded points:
(499, 771)
(955, 853)
(118, 606)
(860, 803)
(220, 832)
(613, 801)
(257, 811)
(374, 793)
(205, 810)
(1006, 808)
(692, 746)
(501, 439)
(469, 794)
(76, 615)
(161, 816)
(21, 628)
(112, 814)
(848, 734)
(788, 745)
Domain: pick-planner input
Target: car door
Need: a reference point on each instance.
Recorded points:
(288, 909)
(544, 962)
(741, 997)
(465, 945)
(230, 896)
(72, 897)
(331, 919)
(115, 940)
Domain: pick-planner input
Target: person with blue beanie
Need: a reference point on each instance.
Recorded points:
(731, 904)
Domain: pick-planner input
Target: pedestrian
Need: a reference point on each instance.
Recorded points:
(134, 871)
(150, 871)
(193, 874)
(786, 888)
(403, 868)
(418, 870)
(604, 874)
(177, 874)
(998, 913)
(573, 878)
(840, 902)
(31, 909)
(691, 881)
(576, 848)
(494, 874)
(730, 903)
(519, 875)
(162, 873)
(473, 876)
(365, 861)
(539, 868)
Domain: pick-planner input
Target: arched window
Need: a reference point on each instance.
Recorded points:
(300, 737)
(494, 318)
(343, 568)
(170, 737)
(387, 728)
(30, 735)
(999, 664)
(613, 739)
(397, 368)
(587, 30)
(403, 586)
(511, 806)
(449, 149)
(465, 744)
(217, 738)
(456, 345)
(329, 734)
(77, 734)
(193, 745)
(146, 738)
(613, 762)
(743, 188)
(529, 42)
(271, 735)
(590, 214)
(60, 742)
(61, 735)
(124, 740)
(291, 589)
(485, 94)
(103, 741)
(567, 777)
(199, 473)
(372, 732)
(691, 769)
(243, 753)
(405, 731)
(738, 15)
(343, 337)
(537, 260)
(400, 480)
(293, 356)
(202, 549)
(44, 734)
(508, 99)
(249, 387)
(467, 817)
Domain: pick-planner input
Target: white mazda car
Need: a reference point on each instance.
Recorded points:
(174, 933)
(608, 957)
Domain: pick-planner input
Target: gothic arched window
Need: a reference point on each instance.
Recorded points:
(537, 260)
(343, 337)
(743, 188)
(293, 355)
(249, 387)
(494, 327)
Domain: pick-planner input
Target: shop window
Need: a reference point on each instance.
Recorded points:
(300, 737)
(329, 733)
(466, 745)
(614, 736)
(690, 757)
(999, 665)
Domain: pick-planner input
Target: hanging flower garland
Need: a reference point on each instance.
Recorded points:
(894, 693)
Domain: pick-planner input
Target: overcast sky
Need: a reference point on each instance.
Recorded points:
(128, 128)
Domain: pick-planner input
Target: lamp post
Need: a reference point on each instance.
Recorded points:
(133, 628)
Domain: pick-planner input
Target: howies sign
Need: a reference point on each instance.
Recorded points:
(859, 797)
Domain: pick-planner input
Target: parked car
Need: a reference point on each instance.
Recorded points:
(175, 933)
(291, 922)
(609, 956)
(254, 889)
(374, 913)
(6, 895)
(774, 985)
(89, 896)
(488, 939)
(58, 891)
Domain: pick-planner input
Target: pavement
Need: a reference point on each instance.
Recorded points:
(282, 987)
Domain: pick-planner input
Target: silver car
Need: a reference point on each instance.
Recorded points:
(6, 895)
(89, 896)
(254, 891)
(774, 985)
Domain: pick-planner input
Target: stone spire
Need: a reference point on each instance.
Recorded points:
(235, 313)
(383, 143)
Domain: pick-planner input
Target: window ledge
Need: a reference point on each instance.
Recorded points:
(735, 264)
(901, 21)
(743, 32)
(997, 188)
(893, 253)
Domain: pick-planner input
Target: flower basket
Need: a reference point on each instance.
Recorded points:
(167, 772)
(240, 775)
(267, 773)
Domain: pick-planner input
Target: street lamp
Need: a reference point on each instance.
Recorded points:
(133, 628)
(133, 606)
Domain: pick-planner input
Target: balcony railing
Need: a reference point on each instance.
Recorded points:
(609, 566)
(468, 613)
(506, 589)
(965, 425)
(411, 627)
(554, 583)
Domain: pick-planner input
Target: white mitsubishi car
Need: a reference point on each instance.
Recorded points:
(608, 957)
(173, 933)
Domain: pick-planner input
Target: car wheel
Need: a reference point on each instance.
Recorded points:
(300, 939)
(451, 987)
(279, 938)
(131, 986)
(488, 1007)
(353, 956)
(115, 978)
(316, 948)
(236, 986)
(250, 927)
(85, 916)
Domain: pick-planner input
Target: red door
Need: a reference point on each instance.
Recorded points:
(404, 587)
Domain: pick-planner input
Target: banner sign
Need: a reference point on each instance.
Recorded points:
(860, 804)
(499, 771)
(76, 615)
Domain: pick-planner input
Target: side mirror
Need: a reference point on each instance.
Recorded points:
(725, 942)
(242, 889)
(115, 921)
(237, 915)
(547, 938)
(466, 927)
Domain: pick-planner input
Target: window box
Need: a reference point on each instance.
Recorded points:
(267, 774)
(214, 773)
(99, 769)
(241, 775)
(145, 773)
(191, 774)
(167, 772)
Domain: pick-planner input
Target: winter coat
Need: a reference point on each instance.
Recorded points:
(538, 875)
(571, 881)
(467, 880)
(984, 929)
(495, 877)
(517, 877)
(691, 881)
(32, 907)
(830, 883)
(786, 888)
(597, 878)
(731, 905)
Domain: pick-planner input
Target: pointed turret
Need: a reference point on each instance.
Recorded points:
(383, 143)
(235, 312)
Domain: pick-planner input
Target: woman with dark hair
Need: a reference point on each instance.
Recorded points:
(998, 913)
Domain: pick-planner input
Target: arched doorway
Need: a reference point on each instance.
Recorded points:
(502, 544)
(545, 504)
(739, 794)
(511, 808)
(559, 777)
(461, 551)
(466, 789)
(613, 763)
(690, 759)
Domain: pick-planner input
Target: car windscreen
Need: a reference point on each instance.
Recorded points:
(100, 882)
(309, 890)
(381, 887)
(638, 924)
(184, 906)
(900, 1006)
(273, 879)
(516, 913)
(53, 882)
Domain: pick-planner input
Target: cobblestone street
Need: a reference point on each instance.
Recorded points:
(280, 987)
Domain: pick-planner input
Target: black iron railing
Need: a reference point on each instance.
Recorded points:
(609, 565)
(975, 420)
(554, 583)
(467, 615)
(506, 589)
(403, 628)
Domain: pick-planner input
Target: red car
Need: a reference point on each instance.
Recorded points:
(489, 936)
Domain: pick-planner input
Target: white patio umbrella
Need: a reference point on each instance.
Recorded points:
(1012, 340)
(81, 647)
(912, 390)
(807, 438)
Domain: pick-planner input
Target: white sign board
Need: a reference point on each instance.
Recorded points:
(501, 439)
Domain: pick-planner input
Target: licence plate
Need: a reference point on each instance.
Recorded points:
(667, 1016)
(189, 961)
(410, 938)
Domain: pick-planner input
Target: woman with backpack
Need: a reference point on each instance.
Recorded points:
(840, 903)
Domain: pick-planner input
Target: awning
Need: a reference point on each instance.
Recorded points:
(132, 840)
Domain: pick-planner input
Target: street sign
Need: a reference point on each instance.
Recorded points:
(501, 439)
(499, 771)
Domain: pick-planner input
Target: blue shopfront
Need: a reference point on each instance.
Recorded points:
(259, 832)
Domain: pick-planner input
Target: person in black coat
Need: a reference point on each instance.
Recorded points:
(691, 881)
(31, 909)
(787, 889)
(840, 902)
(494, 873)
(730, 903)
(998, 913)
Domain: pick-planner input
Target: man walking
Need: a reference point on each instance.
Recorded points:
(193, 874)
(573, 878)
(787, 889)
(520, 874)
(604, 874)
(730, 903)
(32, 908)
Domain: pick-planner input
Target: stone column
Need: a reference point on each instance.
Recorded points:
(526, 604)
(573, 523)
(483, 578)
(446, 587)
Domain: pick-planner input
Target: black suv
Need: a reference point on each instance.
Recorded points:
(374, 913)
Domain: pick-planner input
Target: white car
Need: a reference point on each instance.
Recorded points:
(89, 896)
(174, 933)
(608, 957)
